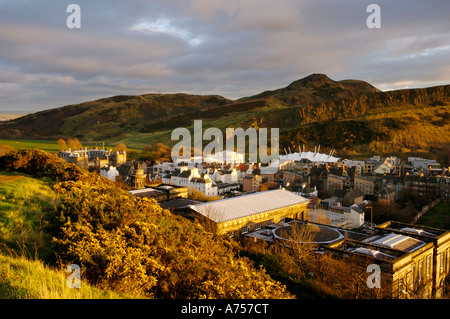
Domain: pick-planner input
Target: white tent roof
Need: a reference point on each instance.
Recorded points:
(247, 205)
(311, 156)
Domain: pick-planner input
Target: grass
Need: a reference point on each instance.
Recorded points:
(48, 146)
(52, 147)
(21, 278)
(23, 202)
(437, 217)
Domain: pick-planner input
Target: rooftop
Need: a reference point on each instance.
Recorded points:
(310, 156)
(247, 205)
(396, 241)
(320, 234)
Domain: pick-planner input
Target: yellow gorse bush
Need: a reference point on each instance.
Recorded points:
(132, 245)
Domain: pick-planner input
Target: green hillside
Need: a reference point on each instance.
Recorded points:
(347, 115)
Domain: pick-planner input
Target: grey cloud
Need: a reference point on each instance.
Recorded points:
(230, 47)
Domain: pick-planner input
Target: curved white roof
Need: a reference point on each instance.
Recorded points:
(311, 156)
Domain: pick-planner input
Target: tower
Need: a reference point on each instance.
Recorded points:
(138, 179)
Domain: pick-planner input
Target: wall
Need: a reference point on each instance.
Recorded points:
(274, 216)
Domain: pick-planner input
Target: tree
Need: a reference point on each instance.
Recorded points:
(62, 144)
(156, 152)
(121, 147)
(74, 144)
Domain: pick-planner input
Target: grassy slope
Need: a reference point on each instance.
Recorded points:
(21, 278)
(23, 201)
(437, 217)
(22, 204)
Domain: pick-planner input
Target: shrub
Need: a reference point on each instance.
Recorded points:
(132, 245)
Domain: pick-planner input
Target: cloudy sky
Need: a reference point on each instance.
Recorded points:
(233, 48)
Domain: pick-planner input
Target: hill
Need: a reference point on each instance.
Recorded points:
(345, 115)
(316, 88)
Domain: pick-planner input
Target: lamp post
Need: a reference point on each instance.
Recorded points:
(371, 219)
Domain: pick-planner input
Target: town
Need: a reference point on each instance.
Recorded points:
(335, 198)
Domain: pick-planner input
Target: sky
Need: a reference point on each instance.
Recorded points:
(233, 48)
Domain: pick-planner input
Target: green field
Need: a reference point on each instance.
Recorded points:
(437, 217)
(53, 147)
(49, 146)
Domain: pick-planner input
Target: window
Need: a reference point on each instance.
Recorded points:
(420, 272)
(428, 266)
(441, 262)
(401, 289)
(411, 279)
(244, 230)
(448, 260)
(258, 226)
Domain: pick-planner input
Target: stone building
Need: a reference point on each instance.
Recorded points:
(239, 215)
(133, 173)
(414, 260)
(138, 179)
(96, 158)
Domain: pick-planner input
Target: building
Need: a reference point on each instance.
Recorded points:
(109, 172)
(96, 158)
(388, 165)
(394, 182)
(354, 196)
(370, 164)
(414, 260)
(162, 193)
(139, 178)
(134, 174)
(313, 157)
(335, 183)
(239, 215)
(191, 178)
(444, 187)
(368, 185)
(386, 195)
(251, 183)
(422, 185)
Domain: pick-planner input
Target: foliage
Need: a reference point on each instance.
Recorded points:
(62, 144)
(156, 152)
(310, 275)
(40, 164)
(5, 149)
(74, 144)
(121, 147)
(195, 194)
(131, 245)
(383, 212)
